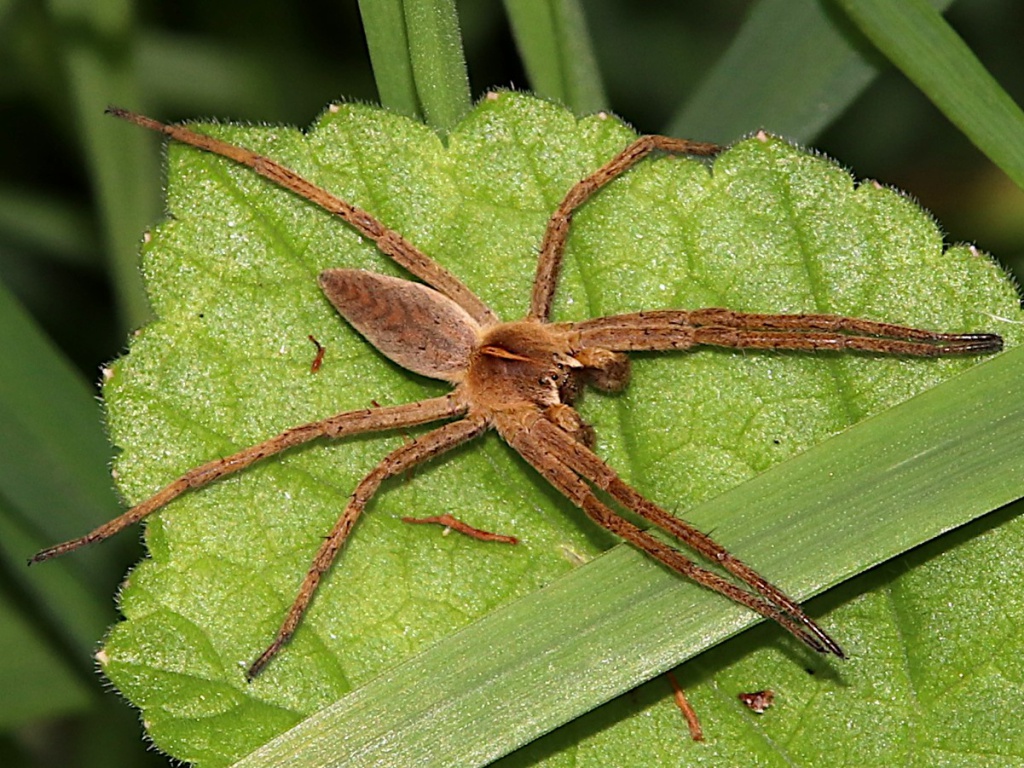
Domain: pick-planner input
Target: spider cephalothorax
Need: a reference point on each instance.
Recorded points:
(521, 379)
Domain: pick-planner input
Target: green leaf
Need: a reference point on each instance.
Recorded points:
(232, 279)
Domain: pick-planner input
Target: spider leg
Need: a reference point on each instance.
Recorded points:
(340, 425)
(681, 329)
(421, 449)
(552, 247)
(591, 467)
(388, 241)
(538, 441)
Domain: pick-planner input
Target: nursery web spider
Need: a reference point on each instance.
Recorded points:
(521, 378)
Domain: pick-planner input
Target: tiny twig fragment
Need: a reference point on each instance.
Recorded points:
(692, 722)
(453, 523)
(319, 359)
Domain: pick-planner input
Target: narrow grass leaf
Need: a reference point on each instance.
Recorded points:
(555, 46)
(95, 39)
(792, 69)
(54, 480)
(438, 62)
(387, 41)
(915, 37)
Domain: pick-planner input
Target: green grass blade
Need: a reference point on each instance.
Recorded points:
(47, 225)
(438, 62)
(916, 38)
(36, 682)
(96, 41)
(552, 39)
(54, 455)
(386, 39)
(418, 62)
(922, 468)
(791, 69)
(53, 478)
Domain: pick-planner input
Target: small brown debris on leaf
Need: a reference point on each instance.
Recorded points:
(696, 732)
(454, 524)
(758, 701)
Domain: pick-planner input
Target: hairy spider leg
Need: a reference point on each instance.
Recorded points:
(522, 433)
(340, 425)
(670, 329)
(423, 448)
(592, 468)
(390, 243)
(552, 248)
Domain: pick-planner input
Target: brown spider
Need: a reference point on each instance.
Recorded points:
(521, 378)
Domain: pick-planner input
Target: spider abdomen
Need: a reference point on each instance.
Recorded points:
(415, 326)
